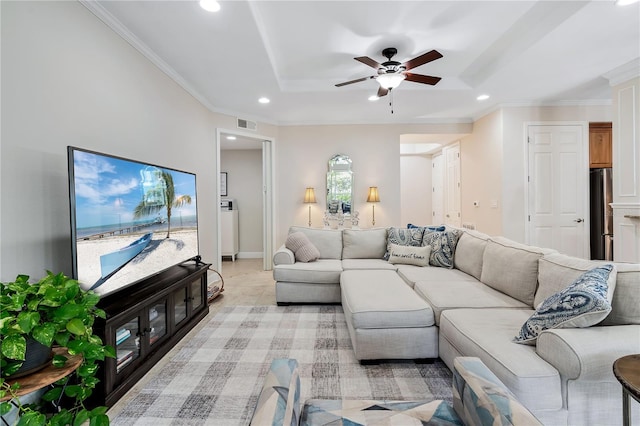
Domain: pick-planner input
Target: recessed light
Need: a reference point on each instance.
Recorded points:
(231, 138)
(482, 97)
(210, 5)
(264, 100)
(625, 2)
(373, 98)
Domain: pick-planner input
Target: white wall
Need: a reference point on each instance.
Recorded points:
(626, 171)
(415, 190)
(514, 120)
(302, 154)
(67, 79)
(481, 174)
(244, 185)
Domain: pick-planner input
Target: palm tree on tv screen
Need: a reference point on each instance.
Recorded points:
(162, 195)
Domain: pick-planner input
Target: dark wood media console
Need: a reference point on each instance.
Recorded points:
(144, 322)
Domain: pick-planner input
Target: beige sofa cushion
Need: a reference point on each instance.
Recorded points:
(463, 294)
(348, 264)
(487, 334)
(469, 252)
(625, 306)
(411, 274)
(558, 271)
(512, 268)
(364, 244)
(399, 308)
(323, 271)
(327, 241)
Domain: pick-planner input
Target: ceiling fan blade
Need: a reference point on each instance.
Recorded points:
(368, 61)
(355, 81)
(419, 78)
(422, 59)
(382, 92)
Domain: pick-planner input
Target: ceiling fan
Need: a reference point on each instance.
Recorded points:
(392, 73)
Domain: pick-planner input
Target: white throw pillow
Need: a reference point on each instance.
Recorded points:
(409, 255)
(302, 248)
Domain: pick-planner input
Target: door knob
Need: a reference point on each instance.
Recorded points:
(579, 220)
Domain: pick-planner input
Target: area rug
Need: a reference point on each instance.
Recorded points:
(215, 377)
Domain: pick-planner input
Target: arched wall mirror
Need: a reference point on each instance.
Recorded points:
(339, 185)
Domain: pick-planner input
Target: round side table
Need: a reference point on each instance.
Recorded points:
(627, 371)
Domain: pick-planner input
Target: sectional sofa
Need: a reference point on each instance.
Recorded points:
(474, 304)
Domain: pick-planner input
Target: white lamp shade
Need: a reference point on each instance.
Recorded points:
(309, 196)
(390, 81)
(373, 196)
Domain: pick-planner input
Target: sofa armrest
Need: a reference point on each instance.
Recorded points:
(279, 400)
(588, 353)
(480, 398)
(284, 256)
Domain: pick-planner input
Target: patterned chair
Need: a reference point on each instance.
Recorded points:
(479, 398)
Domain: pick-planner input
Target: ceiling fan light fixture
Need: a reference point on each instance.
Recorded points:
(390, 81)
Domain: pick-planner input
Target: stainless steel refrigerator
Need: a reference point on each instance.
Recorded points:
(601, 214)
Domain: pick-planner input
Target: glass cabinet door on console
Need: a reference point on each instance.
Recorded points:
(180, 298)
(127, 338)
(197, 298)
(157, 321)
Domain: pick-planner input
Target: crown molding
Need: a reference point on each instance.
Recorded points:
(624, 72)
(587, 102)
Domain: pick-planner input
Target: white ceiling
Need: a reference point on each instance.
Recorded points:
(294, 52)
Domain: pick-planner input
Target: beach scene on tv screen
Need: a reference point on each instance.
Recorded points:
(132, 220)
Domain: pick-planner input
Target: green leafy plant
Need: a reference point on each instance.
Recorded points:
(52, 311)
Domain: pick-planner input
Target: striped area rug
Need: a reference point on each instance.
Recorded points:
(216, 376)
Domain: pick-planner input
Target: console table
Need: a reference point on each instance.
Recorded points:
(627, 371)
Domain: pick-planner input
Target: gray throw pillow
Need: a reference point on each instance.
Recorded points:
(443, 246)
(302, 248)
(403, 237)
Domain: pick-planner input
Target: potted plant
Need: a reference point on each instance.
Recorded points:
(54, 311)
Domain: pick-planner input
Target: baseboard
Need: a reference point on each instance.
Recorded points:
(250, 255)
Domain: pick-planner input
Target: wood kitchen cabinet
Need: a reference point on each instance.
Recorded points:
(600, 149)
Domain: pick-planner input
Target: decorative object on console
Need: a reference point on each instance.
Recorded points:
(583, 304)
(302, 248)
(373, 197)
(309, 198)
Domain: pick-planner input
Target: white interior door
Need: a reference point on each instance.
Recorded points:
(452, 185)
(558, 175)
(437, 194)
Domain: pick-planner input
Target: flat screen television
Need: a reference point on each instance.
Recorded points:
(129, 219)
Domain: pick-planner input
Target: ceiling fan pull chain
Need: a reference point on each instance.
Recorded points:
(391, 100)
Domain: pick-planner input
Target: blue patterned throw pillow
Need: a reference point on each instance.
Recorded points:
(583, 304)
(443, 246)
(403, 237)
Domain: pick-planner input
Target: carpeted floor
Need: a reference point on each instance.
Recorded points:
(216, 376)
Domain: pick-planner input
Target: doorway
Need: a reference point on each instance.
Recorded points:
(557, 187)
(250, 189)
